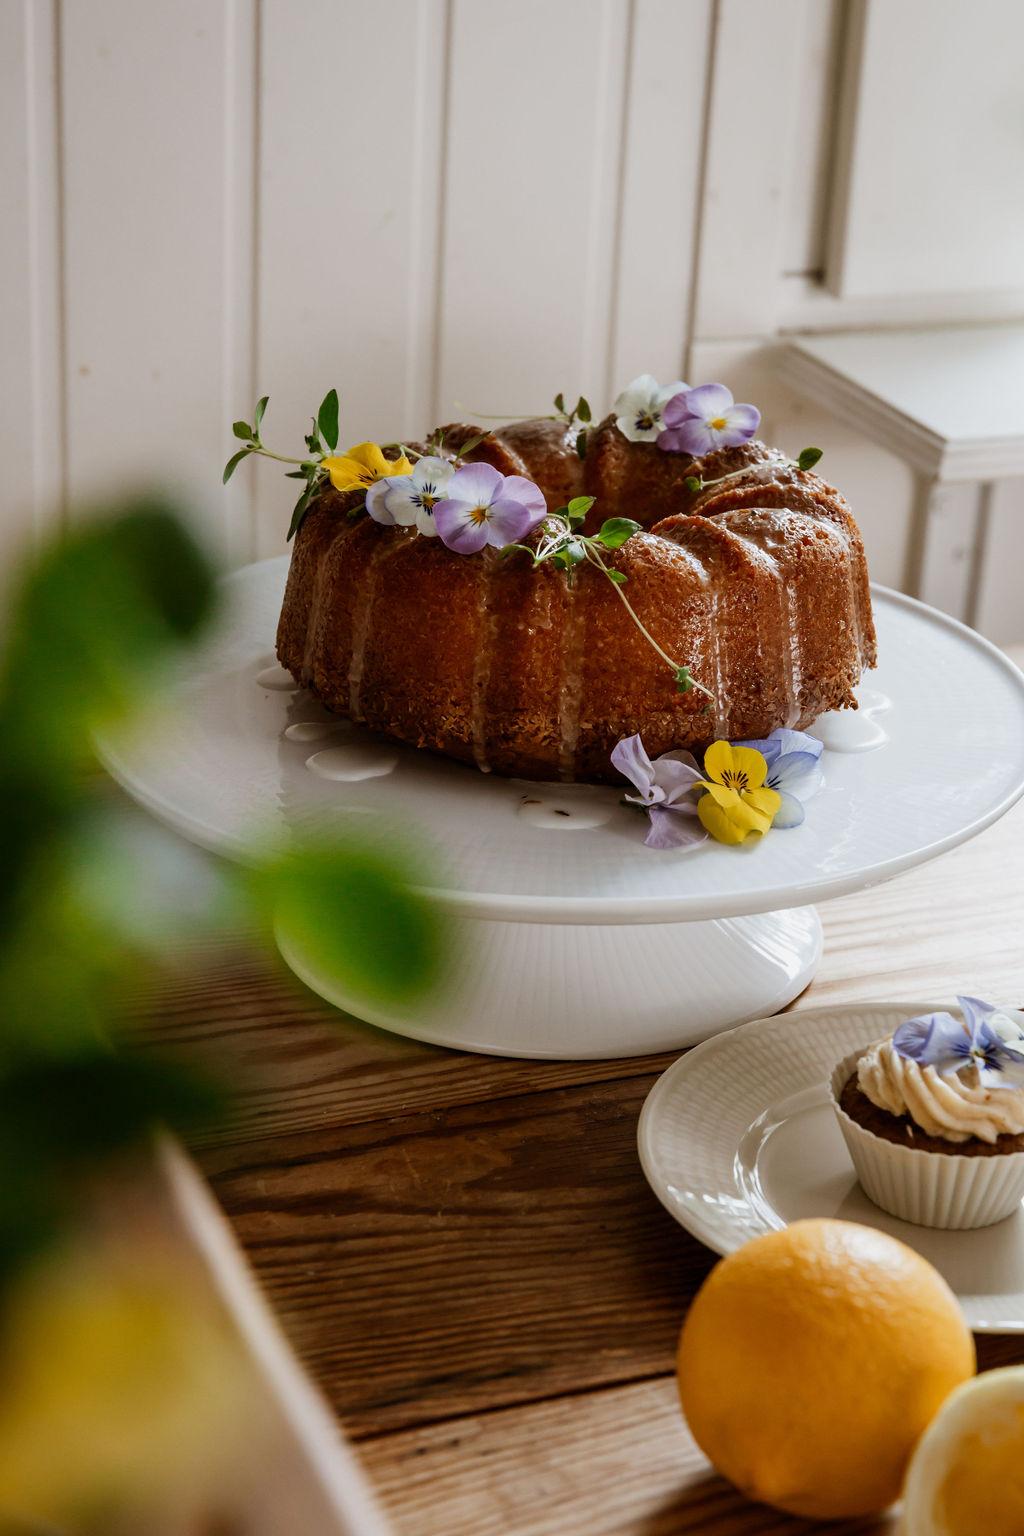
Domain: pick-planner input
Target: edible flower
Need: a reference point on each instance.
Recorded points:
(362, 466)
(737, 801)
(793, 770)
(483, 507)
(666, 792)
(988, 1038)
(405, 500)
(640, 409)
(707, 418)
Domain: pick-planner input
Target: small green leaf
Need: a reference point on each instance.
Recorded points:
(243, 430)
(693, 484)
(580, 505)
(296, 474)
(261, 406)
(299, 514)
(560, 404)
(471, 443)
(616, 531)
(573, 552)
(684, 682)
(233, 463)
(618, 577)
(327, 419)
(808, 457)
(582, 411)
(581, 446)
(511, 549)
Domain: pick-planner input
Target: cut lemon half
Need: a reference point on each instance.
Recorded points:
(966, 1477)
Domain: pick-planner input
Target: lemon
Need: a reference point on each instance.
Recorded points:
(966, 1477)
(813, 1359)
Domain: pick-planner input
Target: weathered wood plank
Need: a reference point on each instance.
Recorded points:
(606, 1464)
(480, 1255)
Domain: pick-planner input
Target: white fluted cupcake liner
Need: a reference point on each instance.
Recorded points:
(932, 1189)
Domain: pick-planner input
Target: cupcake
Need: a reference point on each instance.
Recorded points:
(933, 1116)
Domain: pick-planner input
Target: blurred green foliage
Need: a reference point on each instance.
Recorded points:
(94, 622)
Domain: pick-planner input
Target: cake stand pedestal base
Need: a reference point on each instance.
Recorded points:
(577, 991)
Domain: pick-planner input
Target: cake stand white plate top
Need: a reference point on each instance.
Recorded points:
(239, 754)
(739, 1138)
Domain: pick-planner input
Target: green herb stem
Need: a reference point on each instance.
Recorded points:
(596, 560)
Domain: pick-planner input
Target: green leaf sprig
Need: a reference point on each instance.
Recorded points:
(805, 459)
(564, 545)
(579, 413)
(321, 442)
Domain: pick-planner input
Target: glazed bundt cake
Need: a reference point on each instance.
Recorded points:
(759, 584)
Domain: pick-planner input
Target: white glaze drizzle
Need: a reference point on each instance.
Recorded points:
(361, 623)
(482, 664)
(570, 693)
(277, 679)
(795, 653)
(562, 815)
(854, 730)
(356, 760)
(312, 730)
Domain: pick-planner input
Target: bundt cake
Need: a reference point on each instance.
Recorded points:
(759, 584)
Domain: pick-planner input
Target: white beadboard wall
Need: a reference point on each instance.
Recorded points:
(443, 207)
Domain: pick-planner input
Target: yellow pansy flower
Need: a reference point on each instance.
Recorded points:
(361, 466)
(736, 802)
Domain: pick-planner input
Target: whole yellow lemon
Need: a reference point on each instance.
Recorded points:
(813, 1359)
(966, 1477)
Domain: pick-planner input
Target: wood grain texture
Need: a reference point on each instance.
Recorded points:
(436, 1264)
(599, 1465)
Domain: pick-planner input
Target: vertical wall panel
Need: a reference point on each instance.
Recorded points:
(533, 181)
(155, 182)
(931, 163)
(31, 417)
(661, 181)
(754, 94)
(351, 119)
(998, 609)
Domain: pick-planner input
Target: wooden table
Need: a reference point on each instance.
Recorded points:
(464, 1252)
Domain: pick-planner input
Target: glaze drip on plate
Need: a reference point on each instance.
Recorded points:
(313, 730)
(555, 814)
(857, 730)
(356, 760)
(277, 679)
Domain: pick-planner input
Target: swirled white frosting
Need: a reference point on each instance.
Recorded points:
(955, 1107)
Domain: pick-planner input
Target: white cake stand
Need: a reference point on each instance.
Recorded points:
(571, 938)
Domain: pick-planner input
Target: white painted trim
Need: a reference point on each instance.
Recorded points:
(927, 451)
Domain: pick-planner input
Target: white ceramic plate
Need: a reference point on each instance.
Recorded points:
(219, 766)
(738, 1138)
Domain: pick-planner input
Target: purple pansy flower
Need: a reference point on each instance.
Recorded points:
(707, 418)
(482, 507)
(989, 1038)
(793, 771)
(404, 500)
(666, 792)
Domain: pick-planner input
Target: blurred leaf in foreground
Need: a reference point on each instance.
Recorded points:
(352, 912)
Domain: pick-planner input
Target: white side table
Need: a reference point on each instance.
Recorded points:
(947, 400)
